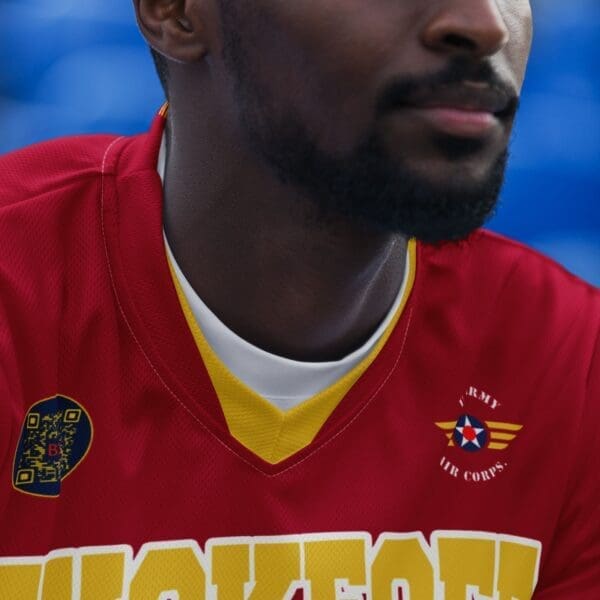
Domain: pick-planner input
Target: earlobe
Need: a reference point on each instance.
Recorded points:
(169, 30)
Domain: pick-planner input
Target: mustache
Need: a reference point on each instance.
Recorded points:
(455, 75)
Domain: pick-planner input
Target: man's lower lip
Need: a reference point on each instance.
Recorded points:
(454, 121)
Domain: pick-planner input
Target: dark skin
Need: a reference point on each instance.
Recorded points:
(254, 248)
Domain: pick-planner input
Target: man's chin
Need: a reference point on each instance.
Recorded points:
(447, 207)
(470, 175)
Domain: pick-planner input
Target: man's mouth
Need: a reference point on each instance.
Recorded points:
(457, 121)
(469, 110)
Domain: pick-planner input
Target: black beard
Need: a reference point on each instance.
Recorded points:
(365, 187)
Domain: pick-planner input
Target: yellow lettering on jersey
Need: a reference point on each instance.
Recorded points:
(168, 567)
(334, 561)
(276, 568)
(402, 562)
(19, 579)
(103, 573)
(519, 565)
(457, 565)
(230, 569)
(467, 564)
(57, 581)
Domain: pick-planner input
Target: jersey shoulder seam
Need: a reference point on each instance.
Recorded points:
(95, 169)
(537, 255)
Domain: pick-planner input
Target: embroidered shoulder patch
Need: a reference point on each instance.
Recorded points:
(55, 438)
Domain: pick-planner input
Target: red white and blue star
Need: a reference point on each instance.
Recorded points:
(470, 434)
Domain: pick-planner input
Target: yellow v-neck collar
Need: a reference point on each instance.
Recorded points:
(263, 428)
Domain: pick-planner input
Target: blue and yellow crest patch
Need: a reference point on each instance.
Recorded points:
(56, 436)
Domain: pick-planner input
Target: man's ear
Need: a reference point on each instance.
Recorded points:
(173, 29)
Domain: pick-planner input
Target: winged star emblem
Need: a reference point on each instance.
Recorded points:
(472, 435)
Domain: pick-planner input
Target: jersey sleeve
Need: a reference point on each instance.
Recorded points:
(573, 567)
(43, 189)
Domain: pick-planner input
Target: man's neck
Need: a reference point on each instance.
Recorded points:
(257, 254)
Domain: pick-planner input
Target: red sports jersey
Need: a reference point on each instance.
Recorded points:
(463, 463)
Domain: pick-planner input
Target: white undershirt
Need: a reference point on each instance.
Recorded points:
(282, 381)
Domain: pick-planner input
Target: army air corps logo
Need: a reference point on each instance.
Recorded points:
(56, 436)
(472, 435)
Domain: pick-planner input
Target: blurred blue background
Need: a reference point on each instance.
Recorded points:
(74, 66)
